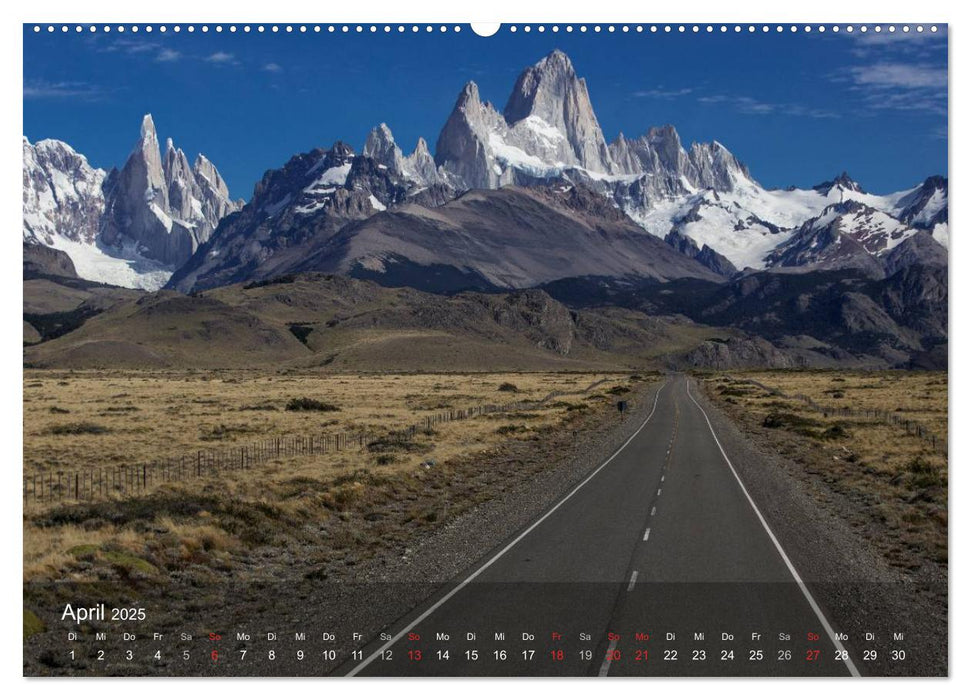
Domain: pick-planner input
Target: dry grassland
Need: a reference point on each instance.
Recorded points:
(896, 482)
(82, 420)
(337, 506)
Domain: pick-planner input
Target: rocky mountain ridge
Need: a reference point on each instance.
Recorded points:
(131, 226)
(700, 199)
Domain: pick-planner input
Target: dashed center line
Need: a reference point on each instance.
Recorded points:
(633, 580)
(659, 492)
(653, 511)
(647, 533)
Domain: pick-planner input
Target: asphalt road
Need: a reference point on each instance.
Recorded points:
(657, 563)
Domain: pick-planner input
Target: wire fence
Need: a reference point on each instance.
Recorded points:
(912, 427)
(98, 483)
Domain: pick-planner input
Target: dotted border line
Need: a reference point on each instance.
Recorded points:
(512, 29)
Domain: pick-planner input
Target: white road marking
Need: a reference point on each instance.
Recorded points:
(653, 510)
(659, 492)
(785, 558)
(605, 667)
(444, 599)
(647, 533)
(662, 477)
(633, 580)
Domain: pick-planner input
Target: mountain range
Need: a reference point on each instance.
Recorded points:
(529, 196)
(161, 214)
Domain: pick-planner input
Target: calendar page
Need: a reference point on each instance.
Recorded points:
(544, 350)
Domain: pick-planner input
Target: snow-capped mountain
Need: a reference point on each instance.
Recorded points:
(306, 202)
(701, 200)
(848, 234)
(159, 212)
(62, 194)
(131, 227)
(703, 194)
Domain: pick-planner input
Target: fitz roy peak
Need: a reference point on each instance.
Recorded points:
(131, 227)
(548, 126)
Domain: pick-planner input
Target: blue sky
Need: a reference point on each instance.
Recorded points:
(796, 108)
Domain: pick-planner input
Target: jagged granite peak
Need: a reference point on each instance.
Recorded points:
(658, 153)
(148, 129)
(422, 166)
(463, 148)
(419, 167)
(62, 197)
(380, 146)
(552, 95)
(547, 137)
(550, 131)
(717, 168)
(159, 206)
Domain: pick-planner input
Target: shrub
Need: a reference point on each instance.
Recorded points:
(397, 442)
(919, 465)
(82, 428)
(306, 404)
(835, 432)
(508, 386)
(790, 421)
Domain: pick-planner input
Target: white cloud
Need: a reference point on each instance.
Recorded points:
(167, 55)
(40, 89)
(661, 93)
(750, 105)
(221, 57)
(911, 87)
(900, 75)
(273, 67)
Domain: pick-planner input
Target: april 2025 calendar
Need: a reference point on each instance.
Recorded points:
(538, 350)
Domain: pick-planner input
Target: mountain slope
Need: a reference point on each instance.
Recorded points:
(507, 238)
(313, 320)
(843, 314)
(487, 239)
